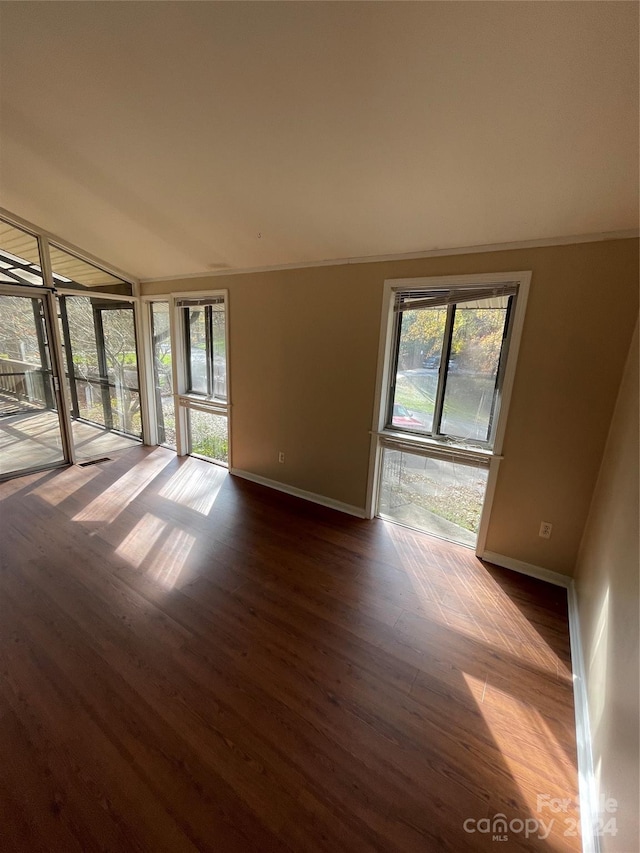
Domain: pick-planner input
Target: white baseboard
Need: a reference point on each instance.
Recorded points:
(587, 786)
(556, 578)
(300, 493)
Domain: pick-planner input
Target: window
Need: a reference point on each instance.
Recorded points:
(440, 495)
(205, 346)
(72, 273)
(204, 400)
(448, 362)
(445, 378)
(19, 256)
(162, 360)
(208, 433)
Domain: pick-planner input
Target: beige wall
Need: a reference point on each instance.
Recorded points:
(607, 588)
(303, 356)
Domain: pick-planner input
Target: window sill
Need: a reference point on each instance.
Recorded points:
(204, 402)
(422, 442)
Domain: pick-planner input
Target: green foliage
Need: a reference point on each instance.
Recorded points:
(475, 344)
(410, 394)
(477, 338)
(209, 435)
(421, 336)
(212, 447)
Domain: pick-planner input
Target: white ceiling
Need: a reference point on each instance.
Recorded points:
(173, 138)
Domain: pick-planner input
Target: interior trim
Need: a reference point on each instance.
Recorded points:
(533, 571)
(587, 785)
(627, 234)
(357, 511)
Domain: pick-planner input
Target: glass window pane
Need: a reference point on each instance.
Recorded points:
(86, 374)
(29, 424)
(476, 344)
(219, 351)
(419, 350)
(122, 368)
(196, 330)
(162, 373)
(209, 436)
(18, 254)
(438, 496)
(25, 384)
(74, 273)
(103, 387)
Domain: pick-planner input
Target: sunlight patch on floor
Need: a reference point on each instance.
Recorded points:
(490, 616)
(110, 503)
(537, 765)
(166, 567)
(65, 484)
(195, 487)
(139, 542)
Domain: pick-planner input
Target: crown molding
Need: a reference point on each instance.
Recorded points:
(628, 234)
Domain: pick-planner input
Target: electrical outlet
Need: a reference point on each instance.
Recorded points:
(545, 529)
(281, 457)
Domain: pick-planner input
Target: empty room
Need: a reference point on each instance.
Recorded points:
(319, 426)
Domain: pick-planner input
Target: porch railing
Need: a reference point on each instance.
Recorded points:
(28, 384)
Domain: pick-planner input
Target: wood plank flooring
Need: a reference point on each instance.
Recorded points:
(191, 662)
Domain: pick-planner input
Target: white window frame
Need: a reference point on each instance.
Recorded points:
(186, 400)
(431, 446)
(149, 378)
(183, 400)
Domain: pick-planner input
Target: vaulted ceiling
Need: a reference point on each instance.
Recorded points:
(180, 137)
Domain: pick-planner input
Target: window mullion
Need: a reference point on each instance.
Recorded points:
(208, 331)
(187, 347)
(103, 368)
(394, 372)
(443, 371)
(502, 359)
(71, 371)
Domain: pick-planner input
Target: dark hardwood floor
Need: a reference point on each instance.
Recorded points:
(193, 662)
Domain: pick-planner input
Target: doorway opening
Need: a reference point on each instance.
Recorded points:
(100, 358)
(30, 429)
(69, 379)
